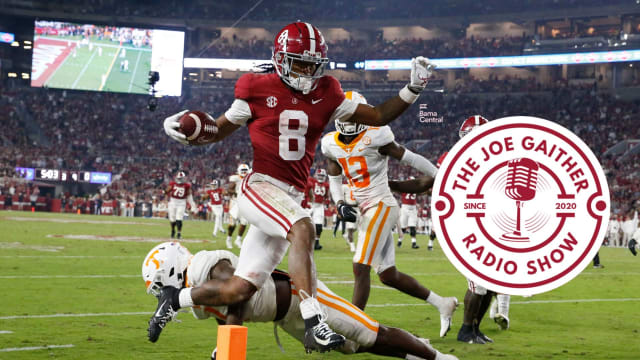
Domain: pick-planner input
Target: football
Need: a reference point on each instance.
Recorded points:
(198, 126)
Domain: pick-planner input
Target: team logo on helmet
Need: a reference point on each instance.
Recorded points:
(520, 205)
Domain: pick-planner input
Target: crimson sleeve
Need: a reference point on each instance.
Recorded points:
(243, 87)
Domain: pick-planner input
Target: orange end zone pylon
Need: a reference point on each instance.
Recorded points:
(232, 342)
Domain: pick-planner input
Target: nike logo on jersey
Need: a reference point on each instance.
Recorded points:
(314, 101)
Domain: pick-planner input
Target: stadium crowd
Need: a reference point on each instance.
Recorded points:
(115, 133)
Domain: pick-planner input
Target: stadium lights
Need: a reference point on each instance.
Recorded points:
(27, 42)
(12, 75)
(27, 47)
(442, 63)
(15, 44)
(25, 75)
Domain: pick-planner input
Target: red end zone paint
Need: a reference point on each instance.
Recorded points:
(48, 55)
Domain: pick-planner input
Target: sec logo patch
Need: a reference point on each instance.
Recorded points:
(520, 205)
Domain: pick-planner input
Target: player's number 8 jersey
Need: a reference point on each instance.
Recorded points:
(363, 166)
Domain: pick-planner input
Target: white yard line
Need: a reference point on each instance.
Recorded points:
(6, 332)
(12, 317)
(65, 276)
(31, 348)
(134, 71)
(84, 68)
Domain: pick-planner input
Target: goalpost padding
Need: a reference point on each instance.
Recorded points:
(232, 342)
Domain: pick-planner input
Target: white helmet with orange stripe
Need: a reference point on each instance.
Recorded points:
(347, 127)
(165, 265)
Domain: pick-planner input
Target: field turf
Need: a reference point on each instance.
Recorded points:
(88, 295)
(85, 70)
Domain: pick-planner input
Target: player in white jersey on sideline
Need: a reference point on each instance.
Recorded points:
(235, 183)
(360, 153)
(172, 264)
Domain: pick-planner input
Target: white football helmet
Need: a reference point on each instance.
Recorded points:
(164, 265)
(243, 170)
(351, 128)
(471, 123)
(321, 175)
(180, 177)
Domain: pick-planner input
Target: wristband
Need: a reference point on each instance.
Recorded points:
(407, 95)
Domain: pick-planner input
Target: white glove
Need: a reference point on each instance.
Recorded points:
(421, 70)
(171, 126)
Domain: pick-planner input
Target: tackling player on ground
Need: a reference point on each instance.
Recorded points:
(179, 193)
(277, 301)
(361, 153)
(285, 113)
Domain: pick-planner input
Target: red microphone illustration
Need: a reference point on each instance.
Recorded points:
(522, 179)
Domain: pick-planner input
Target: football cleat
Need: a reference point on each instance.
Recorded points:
(321, 338)
(229, 244)
(352, 247)
(399, 243)
(317, 246)
(446, 314)
(415, 246)
(632, 246)
(599, 266)
(493, 309)
(165, 312)
(179, 236)
(470, 337)
(238, 243)
(482, 336)
(430, 248)
(502, 321)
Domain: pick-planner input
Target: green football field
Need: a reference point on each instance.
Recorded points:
(84, 71)
(73, 281)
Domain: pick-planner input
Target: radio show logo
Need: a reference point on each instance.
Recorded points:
(520, 205)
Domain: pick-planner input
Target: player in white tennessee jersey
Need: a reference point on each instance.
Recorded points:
(351, 227)
(235, 183)
(276, 302)
(361, 153)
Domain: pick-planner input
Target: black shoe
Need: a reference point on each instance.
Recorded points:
(482, 336)
(399, 243)
(415, 246)
(173, 234)
(165, 312)
(321, 338)
(317, 246)
(632, 246)
(179, 236)
(599, 266)
(470, 337)
(430, 248)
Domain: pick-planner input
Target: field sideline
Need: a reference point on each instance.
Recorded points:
(72, 290)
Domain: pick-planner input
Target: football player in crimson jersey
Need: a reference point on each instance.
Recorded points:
(215, 195)
(409, 217)
(233, 190)
(318, 195)
(285, 113)
(361, 153)
(179, 193)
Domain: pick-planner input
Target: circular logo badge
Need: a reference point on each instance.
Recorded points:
(520, 205)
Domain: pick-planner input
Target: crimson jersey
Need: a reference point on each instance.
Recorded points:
(286, 125)
(424, 213)
(215, 196)
(320, 191)
(179, 191)
(409, 199)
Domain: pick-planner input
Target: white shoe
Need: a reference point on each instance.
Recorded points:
(238, 243)
(493, 309)
(502, 321)
(229, 244)
(446, 314)
(352, 246)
